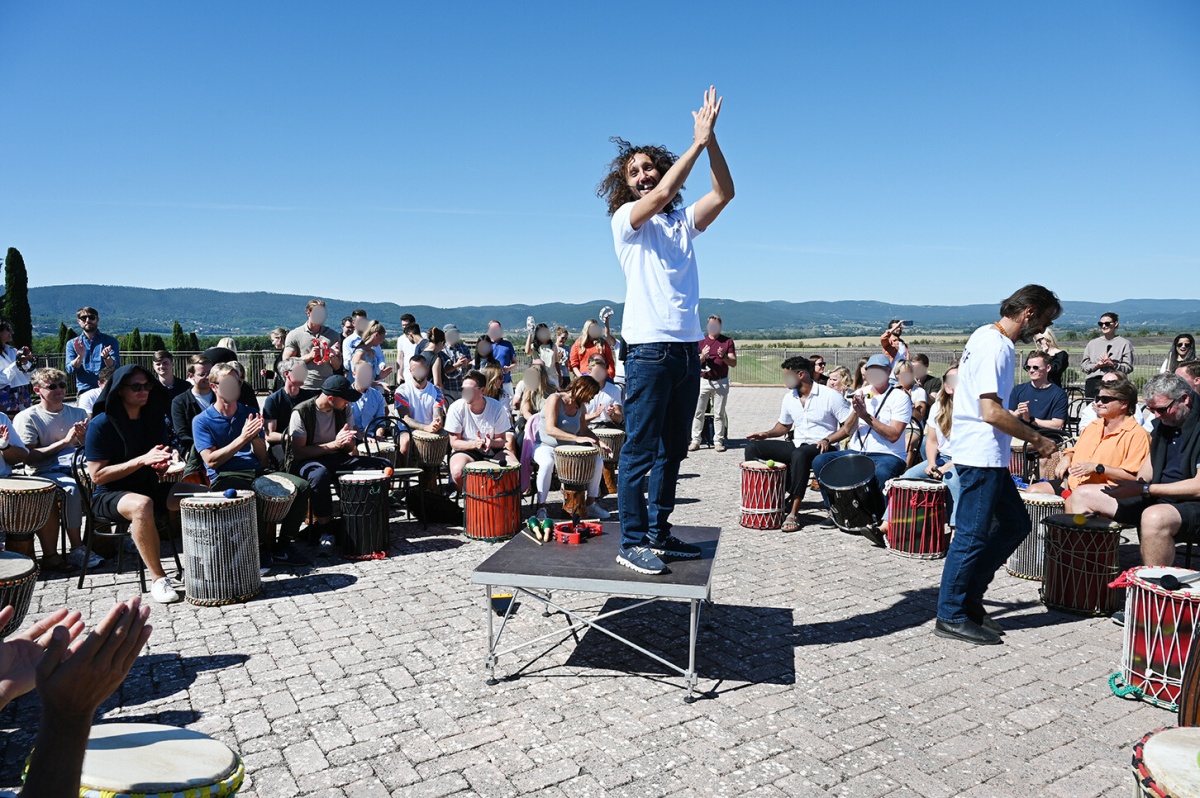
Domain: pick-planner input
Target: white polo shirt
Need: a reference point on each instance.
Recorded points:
(891, 405)
(818, 418)
(986, 366)
(662, 282)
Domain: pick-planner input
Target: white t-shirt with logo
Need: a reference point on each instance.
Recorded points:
(609, 395)
(493, 420)
(421, 404)
(825, 412)
(891, 405)
(986, 367)
(662, 282)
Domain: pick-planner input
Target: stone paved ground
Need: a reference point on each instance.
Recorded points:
(367, 679)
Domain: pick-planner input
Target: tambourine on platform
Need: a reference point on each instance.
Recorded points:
(573, 533)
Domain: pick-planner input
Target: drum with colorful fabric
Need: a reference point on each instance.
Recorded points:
(25, 504)
(148, 760)
(855, 501)
(1017, 460)
(763, 488)
(918, 518)
(493, 501)
(430, 448)
(1027, 561)
(364, 496)
(1160, 621)
(220, 548)
(1166, 764)
(575, 465)
(275, 496)
(1081, 560)
(18, 576)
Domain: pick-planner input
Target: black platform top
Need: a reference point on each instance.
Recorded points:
(592, 566)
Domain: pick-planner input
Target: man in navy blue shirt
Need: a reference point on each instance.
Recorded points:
(91, 351)
(1039, 403)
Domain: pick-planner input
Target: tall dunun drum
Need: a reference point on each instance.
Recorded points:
(1081, 561)
(25, 504)
(1166, 764)
(1027, 561)
(763, 488)
(18, 576)
(1162, 608)
(220, 548)
(918, 520)
(147, 760)
(493, 501)
(364, 514)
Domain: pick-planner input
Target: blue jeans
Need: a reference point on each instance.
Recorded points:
(662, 385)
(949, 479)
(887, 466)
(992, 522)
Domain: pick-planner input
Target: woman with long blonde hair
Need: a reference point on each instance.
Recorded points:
(938, 462)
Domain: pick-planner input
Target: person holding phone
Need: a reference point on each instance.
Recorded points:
(1109, 352)
(892, 343)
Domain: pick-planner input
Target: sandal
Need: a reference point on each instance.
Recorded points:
(57, 564)
(790, 524)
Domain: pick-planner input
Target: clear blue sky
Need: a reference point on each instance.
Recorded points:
(448, 153)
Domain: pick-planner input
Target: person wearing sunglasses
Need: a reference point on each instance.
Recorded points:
(1088, 414)
(52, 430)
(1183, 349)
(1109, 352)
(1113, 447)
(128, 447)
(1164, 499)
(1039, 403)
(90, 351)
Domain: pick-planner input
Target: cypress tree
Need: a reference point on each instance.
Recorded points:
(179, 340)
(193, 342)
(16, 298)
(154, 342)
(135, 340)
(64, 335)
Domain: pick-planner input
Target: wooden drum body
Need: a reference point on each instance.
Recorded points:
(25, 505)
(220, 548)
(18, 575)
(918, 518)
(763, 489)
(1081, 560)
(430, 448)
(364, 496)
(493, 501)
(1028, 560)
(275, 496)
(575, 465)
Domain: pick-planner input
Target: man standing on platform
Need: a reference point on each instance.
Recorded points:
(653, 236)
(991, 516)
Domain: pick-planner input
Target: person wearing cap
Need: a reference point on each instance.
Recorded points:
(458, 363)
(322, 440)
(875, 427)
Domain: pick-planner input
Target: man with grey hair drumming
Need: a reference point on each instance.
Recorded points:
(1165, 497)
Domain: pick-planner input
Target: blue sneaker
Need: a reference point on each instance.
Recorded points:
(640, 559)
(672, 546)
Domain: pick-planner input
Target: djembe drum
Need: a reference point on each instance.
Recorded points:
(172, 473)
(1080, 562)
(575, 467)
(220, 548)
(25, 505)
(763, 488)
(148, 760)
(1017, 460)
(1028, 559)
(429, 450)
(493, 501)
(1166, 764)
(275, 496)
(1159, 626)
(615, 439)
(364, 497)
(918, 518)
(18, 576)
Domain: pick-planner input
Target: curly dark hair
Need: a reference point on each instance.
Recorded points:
(616, 192)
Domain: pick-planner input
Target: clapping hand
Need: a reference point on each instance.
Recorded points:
(78, 433)
(253, 427)
(106, 355)
(21, 653)
(706, 118)
(157, 458)
(345, 437)
(859, 404)
(78, 346)
(3, 433)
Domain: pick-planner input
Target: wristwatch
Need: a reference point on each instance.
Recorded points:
(1145, 490)
(1100, 468)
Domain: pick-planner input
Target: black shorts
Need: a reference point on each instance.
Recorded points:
(1129, 512)
(497, 456)
(104, 505)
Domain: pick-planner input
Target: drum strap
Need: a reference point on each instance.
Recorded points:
(858, 436)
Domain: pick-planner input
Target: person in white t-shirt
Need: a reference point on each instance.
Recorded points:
(607, 408)
(480, 429)
(814, 414)
(419, 403)
(991, 516)
(406, 347)
(653, 236)
(881, 413)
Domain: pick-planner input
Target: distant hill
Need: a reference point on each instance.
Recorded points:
(219, 313)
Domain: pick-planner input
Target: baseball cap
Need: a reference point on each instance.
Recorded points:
(879, 362)
(449, 327)
(339, 386)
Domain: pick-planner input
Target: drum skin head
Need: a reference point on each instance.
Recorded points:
(848, 471)
(1048, 499)
(150, 758)
(14, 566)
(1170, 757)
(20, 484)
(576, 450)
(363, 476)
(1155, 572)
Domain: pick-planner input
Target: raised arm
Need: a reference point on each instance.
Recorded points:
(661, 195)
(711, 204)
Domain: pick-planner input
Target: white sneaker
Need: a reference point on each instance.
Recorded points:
(326, 542)
(596, 511)
(76, 558)
(163, 592)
